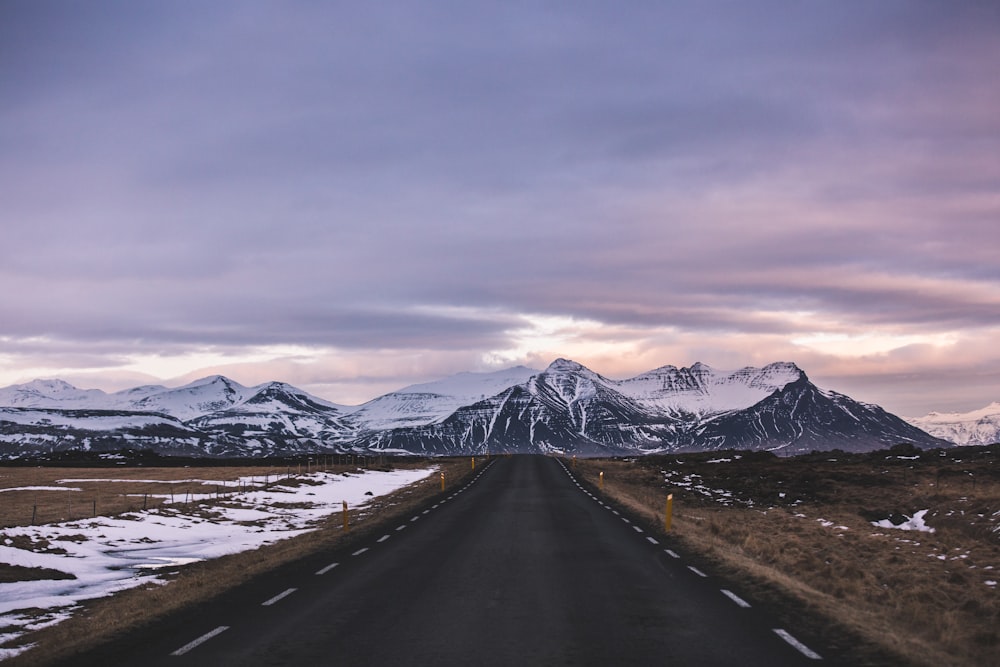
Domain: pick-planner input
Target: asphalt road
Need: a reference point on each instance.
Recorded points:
(520, 567)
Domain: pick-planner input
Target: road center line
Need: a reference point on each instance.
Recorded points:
(802, 648)
(200, 640)
(327, 569)
(736, 598)
(278, 597)
(697, 571)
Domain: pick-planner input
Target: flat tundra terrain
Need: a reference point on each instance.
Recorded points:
(901, 547)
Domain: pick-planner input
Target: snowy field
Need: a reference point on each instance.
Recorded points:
(110, 554)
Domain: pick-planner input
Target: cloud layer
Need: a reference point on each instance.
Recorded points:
(362, 195)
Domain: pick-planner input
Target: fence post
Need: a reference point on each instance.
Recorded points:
(668, 515)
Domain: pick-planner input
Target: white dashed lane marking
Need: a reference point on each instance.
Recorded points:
(360, 551)
(736, 598)
(382, 539)
(671, 553)
(697, 571)
(652, 540)
(799, 646)
(278, 597)
(326, 569)
(200, 640)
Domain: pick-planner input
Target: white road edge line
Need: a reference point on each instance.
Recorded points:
(697, 571)
(671, 553)
(200, 640)
(278, 597)
(326, 569)
(802, 648)
(360, 551)
(736, 598)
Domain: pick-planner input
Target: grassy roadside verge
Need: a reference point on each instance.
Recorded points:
(798, 536)
(105, 619)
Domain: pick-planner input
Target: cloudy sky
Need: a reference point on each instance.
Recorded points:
(355, 196)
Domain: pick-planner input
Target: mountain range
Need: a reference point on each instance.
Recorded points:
(979, 427)
(565, 408)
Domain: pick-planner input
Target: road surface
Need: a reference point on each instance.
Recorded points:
(523, 566)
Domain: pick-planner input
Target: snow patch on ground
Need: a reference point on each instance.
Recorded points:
(916, 522)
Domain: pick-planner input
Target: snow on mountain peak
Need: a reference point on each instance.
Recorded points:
(978, 427)
(565, 365)
(704, 390)
(430, 402)
(50, 393)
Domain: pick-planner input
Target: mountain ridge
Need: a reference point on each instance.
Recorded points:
(976, 427)
(566, 408)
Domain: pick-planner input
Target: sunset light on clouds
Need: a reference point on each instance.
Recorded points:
(352, 197)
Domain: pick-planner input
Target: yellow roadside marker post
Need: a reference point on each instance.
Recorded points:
(668, 516)
(346, 527)
(442, 480)
(602, 480)
(473, 462)
(574, 462)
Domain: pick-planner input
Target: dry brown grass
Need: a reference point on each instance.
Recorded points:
(102, 620)
(132, 489)
(920, 596)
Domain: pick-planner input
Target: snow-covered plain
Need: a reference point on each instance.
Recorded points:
(111, 554)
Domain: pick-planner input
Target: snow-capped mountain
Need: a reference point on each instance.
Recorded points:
(431, 402)
(569, 408)
(278, 410)
(979, 427)
(50, 394)
(214, 415)
(564, 408)
(799, 418)
(700, 390)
